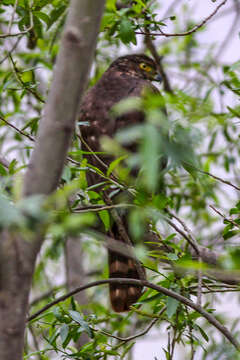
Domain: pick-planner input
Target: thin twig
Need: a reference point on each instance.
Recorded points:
(158, 60)
(32, 138)
(35, 341)
(12, 17)
(214, 176)
(158, 288)
(184, 235)
(19, 80)
(92, 152)
(4, 162)
(16, 129)
(112, 178)
(219, 179)
(11, 50)
(189, 32)
(145, 331)
(224, 217)
(100, 208)
(8, 34)
(193, 241)
(46, 294)
(199, 288)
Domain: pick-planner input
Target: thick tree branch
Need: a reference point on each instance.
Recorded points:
(69, 79)
(17, 256)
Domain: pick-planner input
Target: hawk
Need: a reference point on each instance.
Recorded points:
(127, 76)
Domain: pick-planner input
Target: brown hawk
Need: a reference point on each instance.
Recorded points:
(127, 76)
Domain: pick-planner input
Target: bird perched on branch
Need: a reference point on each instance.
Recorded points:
(127, 76)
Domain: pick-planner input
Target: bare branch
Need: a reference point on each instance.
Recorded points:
(12, 17)
(190, 238)
(199, 289)
(16, 129)
(158, 59)
(218, 178)
(11, 50)
(144, 332)
(189, 32)
(224, 217)
(183, 234)
(96, 208)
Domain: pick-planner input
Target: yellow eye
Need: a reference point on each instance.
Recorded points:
(145, 67)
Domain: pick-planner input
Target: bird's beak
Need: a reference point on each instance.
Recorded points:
(158, 78)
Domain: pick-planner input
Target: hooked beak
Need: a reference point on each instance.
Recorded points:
(158, 78)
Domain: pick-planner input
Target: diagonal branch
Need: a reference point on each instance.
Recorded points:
(211, 319)
(189, 32)
(69, 79)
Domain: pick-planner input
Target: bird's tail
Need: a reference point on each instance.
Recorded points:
(122, 296)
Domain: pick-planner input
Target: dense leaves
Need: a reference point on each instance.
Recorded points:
(175, 154)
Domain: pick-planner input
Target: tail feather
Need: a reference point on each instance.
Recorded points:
(123, 296)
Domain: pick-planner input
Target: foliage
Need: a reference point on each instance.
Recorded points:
(195, 136)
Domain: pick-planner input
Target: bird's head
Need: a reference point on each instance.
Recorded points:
(138, 65)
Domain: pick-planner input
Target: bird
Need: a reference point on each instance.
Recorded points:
(127, 76)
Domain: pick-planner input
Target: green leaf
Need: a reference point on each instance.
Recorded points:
(172, 257)
(9, 214)
(235, 66)
(234, 211)
(126, 31)
(137, 223)
(104, 216)
(55, 15)
(114, 164)
(149, 152)
(127, 105)
(12, 166)
(39, 4)
(204, 335)
(42, 16)
(172, 305)
(111, 5)
(78, 318)
(32, 206)
(74, 223)
(64, 331)
(3, 171)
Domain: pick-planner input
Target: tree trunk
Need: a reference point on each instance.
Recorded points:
(16, 268)
(17, 255)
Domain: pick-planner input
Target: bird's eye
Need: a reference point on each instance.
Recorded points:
(145, 67)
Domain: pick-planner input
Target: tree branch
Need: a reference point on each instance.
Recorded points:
(212, 320)
(189, 32)
(144, 332)
(69, 79)
(4, 162)
(9, 34)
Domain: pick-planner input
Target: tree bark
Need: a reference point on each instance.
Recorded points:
(18, 255)
(75, 275)
(69, 80)
(16, 268)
